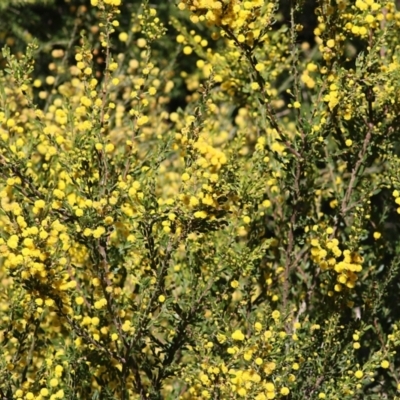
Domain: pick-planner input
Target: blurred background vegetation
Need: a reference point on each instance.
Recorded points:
(57, 24)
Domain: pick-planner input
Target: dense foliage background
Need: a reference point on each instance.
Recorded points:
(199, 199)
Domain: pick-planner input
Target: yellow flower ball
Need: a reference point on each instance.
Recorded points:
(359, 374)
(187, 50)
(54, 382)
(161, 298)
(238, 335)
(330, 43)
(109, 148)
(260, 67)
(285, 391)
(123, 36)
(113, 66)
(79, 300)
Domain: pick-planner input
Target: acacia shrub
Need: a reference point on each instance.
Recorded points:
(239, 246)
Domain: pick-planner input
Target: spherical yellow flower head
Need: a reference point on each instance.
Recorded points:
(285, 391)
(377, 235)
(276, 315)
(123, 37)
(385, 364)
(238, 335)
(359, 374)
(161, 298)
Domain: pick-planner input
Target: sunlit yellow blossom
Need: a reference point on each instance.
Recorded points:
(238, 335)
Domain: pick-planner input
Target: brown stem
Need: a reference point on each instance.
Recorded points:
(345, 207)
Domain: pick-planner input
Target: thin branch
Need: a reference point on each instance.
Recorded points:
(345, 207)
